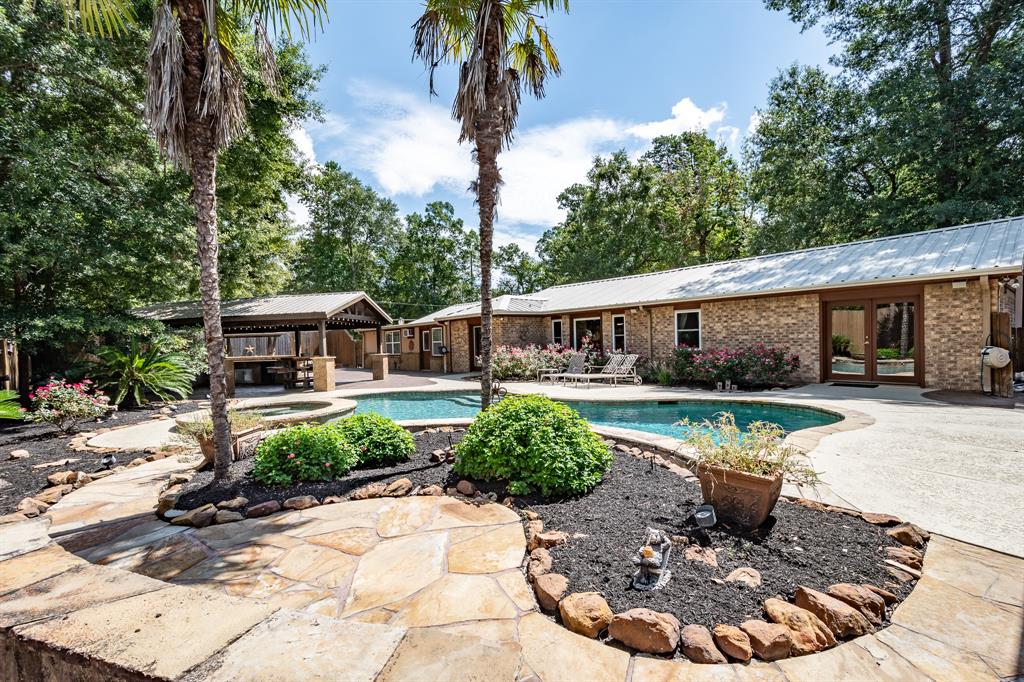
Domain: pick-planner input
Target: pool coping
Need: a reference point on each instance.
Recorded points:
(336, 407)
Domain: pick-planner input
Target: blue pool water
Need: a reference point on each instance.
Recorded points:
(650, 416)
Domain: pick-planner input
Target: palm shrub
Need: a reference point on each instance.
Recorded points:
(306, 452)
(131, 375)
(377, 439)
(9, 408)
(533, 442)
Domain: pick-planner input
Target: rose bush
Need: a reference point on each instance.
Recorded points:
(65, 404)
(753, 366)
(307, 452)
(516, 363)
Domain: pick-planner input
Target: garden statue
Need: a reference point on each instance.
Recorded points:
(652, 561)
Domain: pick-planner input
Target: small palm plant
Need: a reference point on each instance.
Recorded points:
(9, 408)
(130, 376)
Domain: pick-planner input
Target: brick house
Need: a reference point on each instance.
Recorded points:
(914, 308)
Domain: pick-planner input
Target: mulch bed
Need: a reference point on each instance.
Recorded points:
(797, 546)
(21, 478)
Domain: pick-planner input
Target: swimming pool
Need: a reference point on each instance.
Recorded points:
(650, 416)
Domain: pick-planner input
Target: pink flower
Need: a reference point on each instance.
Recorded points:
(291, 455)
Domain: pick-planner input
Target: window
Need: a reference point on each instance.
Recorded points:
(688, 328)
(393, 343)
(425, 340)
(436, 340)
(619, 333)
(556, 332)
(586, 330)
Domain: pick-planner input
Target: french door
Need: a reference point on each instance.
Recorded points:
(874, 339)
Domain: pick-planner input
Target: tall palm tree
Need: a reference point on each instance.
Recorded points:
(194, 106)
(502, 50)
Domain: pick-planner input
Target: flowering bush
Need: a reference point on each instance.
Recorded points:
(513, 362)
(307, 452)
(378, 440)
(62, 404)
(757, 365)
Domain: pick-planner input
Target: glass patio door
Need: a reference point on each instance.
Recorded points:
(873, 340)
(894, 340)
(850, 342)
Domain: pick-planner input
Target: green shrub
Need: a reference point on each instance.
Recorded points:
(131, 375)
(307, 452)
(533, 442)
(377, 440)
(840, 345)
(9, 408)
(62, 404)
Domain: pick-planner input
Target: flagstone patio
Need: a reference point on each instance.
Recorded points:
(395, 589)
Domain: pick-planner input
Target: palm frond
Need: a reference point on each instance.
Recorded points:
(164, 103)
(105, 18)
(9, 408)
(443, 34)
(306, 16)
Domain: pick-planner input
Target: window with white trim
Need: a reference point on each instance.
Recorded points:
(425, 339)
(556, 332)
(436, 340)
(618, 333)
(688, 328)
(393, 343)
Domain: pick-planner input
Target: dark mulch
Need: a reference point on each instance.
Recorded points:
(20, 478)
(418, 469)
(797, 546)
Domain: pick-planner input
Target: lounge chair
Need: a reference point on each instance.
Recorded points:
(618, 367)
(609, 370)
(577, 363)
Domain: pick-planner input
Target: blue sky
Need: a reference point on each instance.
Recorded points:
(631, 70)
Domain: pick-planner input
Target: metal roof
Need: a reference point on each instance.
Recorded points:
(282, 307)
(990, 247)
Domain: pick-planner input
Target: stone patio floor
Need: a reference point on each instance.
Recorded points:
(426, 588)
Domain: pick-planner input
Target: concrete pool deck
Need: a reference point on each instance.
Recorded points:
(953, 469)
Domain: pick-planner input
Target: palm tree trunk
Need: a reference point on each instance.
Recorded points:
(202, 151)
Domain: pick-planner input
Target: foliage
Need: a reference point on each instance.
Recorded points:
(522, 363)
(306, 452)
(65, 404)
(131, 374)
(893, 354)
(9, 408)
(185, 342)
(922, 127)
(201, 429)
(378, 440)
(756, 365)
(657, 373)
(840, 345)
(533, 442)
(760, 450)
(681, 203)
(521, 274)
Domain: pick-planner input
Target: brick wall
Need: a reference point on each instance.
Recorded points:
(790, 321)
(952, 336)
(663, 322)
(510, 330)
(459, 345)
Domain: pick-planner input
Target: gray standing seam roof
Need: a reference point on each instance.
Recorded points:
(987, 247)
(313, 306)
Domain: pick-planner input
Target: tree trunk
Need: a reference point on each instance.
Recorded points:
(202, 151)
(488, 135)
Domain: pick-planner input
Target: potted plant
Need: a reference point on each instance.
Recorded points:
(200, 431)
(741, 473)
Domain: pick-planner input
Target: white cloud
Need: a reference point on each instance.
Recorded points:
(408, 146)
(307, 155)
(755, 121)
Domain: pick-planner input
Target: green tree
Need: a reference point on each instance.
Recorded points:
(522, 274)
(351, 237)
(681, 203)
(928, 105)
(195, 107)
(501, 51)
(434, 265)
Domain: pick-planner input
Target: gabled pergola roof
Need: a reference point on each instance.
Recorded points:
(338, 310)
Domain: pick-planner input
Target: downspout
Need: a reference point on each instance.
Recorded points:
(986, 330)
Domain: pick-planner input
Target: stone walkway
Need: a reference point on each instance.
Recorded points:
(395, 589)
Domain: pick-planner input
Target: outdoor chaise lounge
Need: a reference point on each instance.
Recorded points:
(618, 367)
(577, 363)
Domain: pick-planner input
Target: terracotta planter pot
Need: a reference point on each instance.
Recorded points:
(238, 440)
(740, 499)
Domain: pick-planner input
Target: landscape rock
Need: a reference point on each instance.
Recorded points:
(367, 492)
(438, 456)
(466, 488)
(891, 564)
(550, 589)
(531, 515)
(905, 555)
(332, 499)
(770, 641)
(549, 538)
(585, 613)
(809, 634)
(907, 534)
(540, 563)
(31, 507)
(83, 478)
(433, 490)
(896, 573)
(167, 499)
(696, 643)
(54, 493)
(180, 478)
(749, 577)
(841, 618)
(301, 502)
(227, 516)
(887, 596)
(263, 509)
(13, 517)
(880, 519)
(733, 642)
(646, 630)
(62, 477)
(19, 454)
(698, 553)
(399, 488)
(870, 605)
(533, 528)
(138, 461)
(233, 504)
(200, 517)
